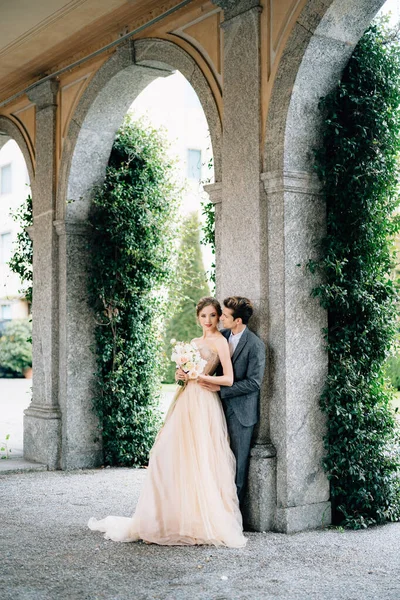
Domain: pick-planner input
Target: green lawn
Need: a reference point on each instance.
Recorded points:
(168, 387)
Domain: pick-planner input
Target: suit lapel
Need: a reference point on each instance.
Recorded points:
(241, 345)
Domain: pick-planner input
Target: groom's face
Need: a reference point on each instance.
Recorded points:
(227, 319)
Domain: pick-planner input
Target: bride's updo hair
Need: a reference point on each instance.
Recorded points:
(208, 301)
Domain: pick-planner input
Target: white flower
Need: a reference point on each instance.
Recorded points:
(193, 374)
(182, 359)
(173, 341)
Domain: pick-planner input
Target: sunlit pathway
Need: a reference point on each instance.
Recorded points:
(15, 397)
(47, 552)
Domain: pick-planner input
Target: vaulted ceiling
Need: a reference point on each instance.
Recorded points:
(37, 38)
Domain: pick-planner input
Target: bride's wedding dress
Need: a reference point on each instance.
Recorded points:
(189, 495)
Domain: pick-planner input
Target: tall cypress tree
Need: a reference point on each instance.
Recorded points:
(190, 284)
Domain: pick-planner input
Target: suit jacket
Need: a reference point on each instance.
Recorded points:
(248, 362)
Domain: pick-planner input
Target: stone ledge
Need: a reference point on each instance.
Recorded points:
(18, 465)
(214, 191)
(42, 412)
(72, 227)
(303, 182)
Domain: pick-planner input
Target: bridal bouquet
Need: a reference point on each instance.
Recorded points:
(188, 358)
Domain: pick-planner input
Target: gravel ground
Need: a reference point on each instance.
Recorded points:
(47, 552)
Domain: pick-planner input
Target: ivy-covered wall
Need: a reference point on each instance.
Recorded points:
(132, 245)
(358, 164)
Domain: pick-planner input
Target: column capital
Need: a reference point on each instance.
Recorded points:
(44, 94)
(302, 182)
(235, 8)
(72, 227)
(214, 191)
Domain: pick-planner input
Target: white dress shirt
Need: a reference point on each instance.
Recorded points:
(233, 340)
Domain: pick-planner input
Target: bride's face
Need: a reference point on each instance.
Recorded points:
(208, 318)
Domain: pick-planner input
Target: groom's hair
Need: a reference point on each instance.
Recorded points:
(241, 308)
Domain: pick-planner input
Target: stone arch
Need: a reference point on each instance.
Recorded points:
(10, 131)
(318, 48)
(102, 108)
(86, 151)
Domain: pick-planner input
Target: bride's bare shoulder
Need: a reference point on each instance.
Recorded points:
(221, 340)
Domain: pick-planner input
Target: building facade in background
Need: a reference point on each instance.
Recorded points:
(14, 188)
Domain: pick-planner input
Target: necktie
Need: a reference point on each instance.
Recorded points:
(231, 345)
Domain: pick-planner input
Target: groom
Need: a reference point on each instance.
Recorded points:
(241, 400)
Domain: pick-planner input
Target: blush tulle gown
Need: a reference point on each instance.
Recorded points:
(189, 495)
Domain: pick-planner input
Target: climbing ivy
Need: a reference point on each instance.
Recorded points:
(21, 260)
(131, 246)
(358, 165)
(208, 228)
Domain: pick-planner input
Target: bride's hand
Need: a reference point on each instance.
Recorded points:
(179, 374)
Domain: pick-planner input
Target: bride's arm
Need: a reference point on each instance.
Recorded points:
(225, 359)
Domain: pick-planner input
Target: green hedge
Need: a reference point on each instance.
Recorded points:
(16, 348)
(131, 249)
(358, 165)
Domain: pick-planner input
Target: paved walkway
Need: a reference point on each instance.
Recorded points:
(15, 397)
(47, 553)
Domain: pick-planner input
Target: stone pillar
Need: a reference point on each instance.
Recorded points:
(242, 221)
(81, 438)
(296, 221)
(42, 418)
(214, 191)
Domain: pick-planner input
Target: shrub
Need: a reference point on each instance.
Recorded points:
(358, 165)
(16, 348)
(131, 251)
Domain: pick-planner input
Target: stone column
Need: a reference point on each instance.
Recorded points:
(242, 227)
(81, 438)
(296, 221)
(214, 191)
(42, 419)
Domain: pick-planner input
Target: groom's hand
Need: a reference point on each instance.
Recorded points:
(211, 387)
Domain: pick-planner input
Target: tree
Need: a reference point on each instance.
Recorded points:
(189, 285)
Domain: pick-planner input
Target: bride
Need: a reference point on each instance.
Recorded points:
(189, 495)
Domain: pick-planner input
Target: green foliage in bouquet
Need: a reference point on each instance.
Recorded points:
(131, 248)
(188, 285)
(16, 348)
(358, 165)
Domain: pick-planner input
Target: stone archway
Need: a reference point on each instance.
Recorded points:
(10, 131)
(318, 48)
(86, 151)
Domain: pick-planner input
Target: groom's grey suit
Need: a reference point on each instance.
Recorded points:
(241, 401)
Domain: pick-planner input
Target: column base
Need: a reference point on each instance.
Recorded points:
(42, 435)
(260, 502)
(81, 459)
(301, 518)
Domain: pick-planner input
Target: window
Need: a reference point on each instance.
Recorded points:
(5, 247)
(6, 311)
(194, 164)
(5, 180)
